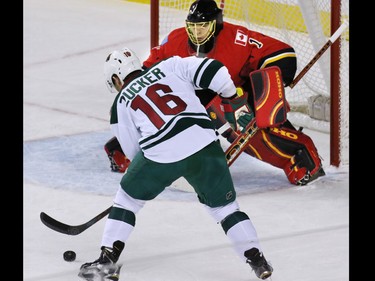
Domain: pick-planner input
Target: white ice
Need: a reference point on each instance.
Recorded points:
(304, 231)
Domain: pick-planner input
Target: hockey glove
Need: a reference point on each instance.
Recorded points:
(118, 161)
(244, 119)
(237, 110)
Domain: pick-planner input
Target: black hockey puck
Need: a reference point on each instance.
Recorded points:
(69, 255)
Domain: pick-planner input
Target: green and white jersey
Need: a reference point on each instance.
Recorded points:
(159, 112)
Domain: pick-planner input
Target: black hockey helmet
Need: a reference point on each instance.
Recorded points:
(204, 21)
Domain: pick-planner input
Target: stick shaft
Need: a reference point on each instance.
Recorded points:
(325, 47)
(240, 143)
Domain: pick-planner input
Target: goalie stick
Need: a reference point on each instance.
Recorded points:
(325, 47)
(240, 143)
(231, 154)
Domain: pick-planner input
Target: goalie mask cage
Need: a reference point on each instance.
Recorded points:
(320, 100)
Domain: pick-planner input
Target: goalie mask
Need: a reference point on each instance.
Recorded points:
(204, 21)
(120, 63)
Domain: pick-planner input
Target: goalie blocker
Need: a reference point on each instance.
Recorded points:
(275, 142)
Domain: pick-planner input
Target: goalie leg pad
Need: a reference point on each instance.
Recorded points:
(304, 167)
(305, 164)
(290, 150)
(269, 97)
(296, 170)
(276, 146)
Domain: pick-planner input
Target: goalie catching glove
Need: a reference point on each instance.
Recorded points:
(237, 111)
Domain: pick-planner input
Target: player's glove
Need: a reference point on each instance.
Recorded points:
(237, 110)
(118, 161)
(244, 119)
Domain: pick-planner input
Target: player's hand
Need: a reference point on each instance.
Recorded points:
(244, 119)
(118, 160)
(236, 108)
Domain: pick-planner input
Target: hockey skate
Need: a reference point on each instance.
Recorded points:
(105, 267)
(258, 263)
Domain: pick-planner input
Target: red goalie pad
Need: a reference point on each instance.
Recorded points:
(269, 97)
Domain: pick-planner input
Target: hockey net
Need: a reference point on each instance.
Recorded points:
(306, 25)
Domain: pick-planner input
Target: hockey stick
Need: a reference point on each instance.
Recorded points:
(325, 47)
(240, 143)
(71, 229)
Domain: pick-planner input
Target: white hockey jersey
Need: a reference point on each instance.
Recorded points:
(159, 112)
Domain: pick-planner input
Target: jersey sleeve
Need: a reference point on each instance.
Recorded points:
(159, 53)
(206, 73)
(155, 55)
(127, 134)
(128, 139)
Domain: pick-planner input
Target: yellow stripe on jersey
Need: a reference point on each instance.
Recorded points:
(276, 58)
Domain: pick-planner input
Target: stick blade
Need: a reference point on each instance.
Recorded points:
(59, 226)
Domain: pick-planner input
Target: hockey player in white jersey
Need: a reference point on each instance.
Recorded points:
(166, 133)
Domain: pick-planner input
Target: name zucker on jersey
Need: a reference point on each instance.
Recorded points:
(161, 108)
(152, 76)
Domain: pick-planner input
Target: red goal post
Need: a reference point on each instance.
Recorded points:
(320, 101)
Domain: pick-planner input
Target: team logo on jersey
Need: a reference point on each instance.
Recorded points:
(241, 38)
(213, 115)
